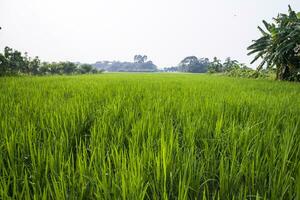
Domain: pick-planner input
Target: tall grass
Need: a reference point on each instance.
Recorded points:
(149, 136)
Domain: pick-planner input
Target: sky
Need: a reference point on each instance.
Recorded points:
(165, 30)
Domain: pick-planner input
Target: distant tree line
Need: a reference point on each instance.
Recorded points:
(13, 62)
(192, 64)
(140, 64)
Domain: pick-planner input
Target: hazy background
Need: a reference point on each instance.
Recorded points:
(165, 30)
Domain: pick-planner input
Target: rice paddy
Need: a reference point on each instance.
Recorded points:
(149, 136)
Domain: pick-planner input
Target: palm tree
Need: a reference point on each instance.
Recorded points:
(279, 46)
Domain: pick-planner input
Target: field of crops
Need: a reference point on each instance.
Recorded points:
(149, 136)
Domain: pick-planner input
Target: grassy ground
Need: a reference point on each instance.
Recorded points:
(149, 136)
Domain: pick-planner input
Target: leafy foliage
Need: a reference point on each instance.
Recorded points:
(12, 62)
(279, 46)
(140, 58)
(215, 66)
(235, 69)
(246, 72)
(193, 64)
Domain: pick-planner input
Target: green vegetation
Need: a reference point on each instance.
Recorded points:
(140, 64)
(13, 63)
(279, 46)
(192, 64)
(149, 136)
(246, 72)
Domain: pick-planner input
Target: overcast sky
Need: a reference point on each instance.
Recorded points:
(165, 30)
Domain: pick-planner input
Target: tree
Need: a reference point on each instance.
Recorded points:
(193, 64)
(85, 68)
(14, 61)
(95, 71)
(278, 47)
(35, 65)
(229, 64)
(55, 68)
(3, 65)
(146, 66)
(68, 67)
(31, 65)
(215, 66)
(188, 63)
(140, 58)
(44, 68)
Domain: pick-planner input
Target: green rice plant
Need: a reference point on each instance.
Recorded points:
(149, 136)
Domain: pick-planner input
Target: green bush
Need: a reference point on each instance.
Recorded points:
(251, 73)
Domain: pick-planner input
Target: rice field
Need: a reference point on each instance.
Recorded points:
(149, 136)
